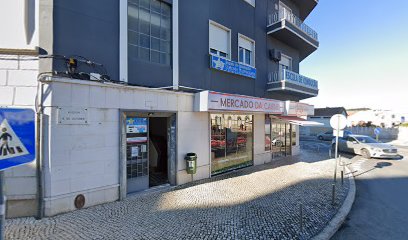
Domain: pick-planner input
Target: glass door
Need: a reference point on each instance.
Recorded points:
(137, 159)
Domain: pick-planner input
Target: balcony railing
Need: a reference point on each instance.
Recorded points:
(292, 77)
(284, 14)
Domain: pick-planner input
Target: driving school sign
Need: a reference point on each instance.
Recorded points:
(17, 137)
(213, 101)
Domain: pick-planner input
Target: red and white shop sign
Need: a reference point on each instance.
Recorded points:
(213, 101)
(298, 109)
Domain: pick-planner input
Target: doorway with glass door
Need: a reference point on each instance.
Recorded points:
(148, 140)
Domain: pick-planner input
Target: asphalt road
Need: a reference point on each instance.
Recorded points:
(380, 210)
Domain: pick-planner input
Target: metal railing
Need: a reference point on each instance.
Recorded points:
(292, 77)
(284, 14)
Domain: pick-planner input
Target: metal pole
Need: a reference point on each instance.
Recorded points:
(2, 206)
(301, 218)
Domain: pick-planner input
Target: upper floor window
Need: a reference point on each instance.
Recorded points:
(246, 50)
(252, 2)
(285, 62)
(220, 40)
(149, 31)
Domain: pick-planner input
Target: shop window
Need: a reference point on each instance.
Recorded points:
(267, 133)
(293, 133)
(149, 31)
(231, 142)
(220, 40)
(246, 50)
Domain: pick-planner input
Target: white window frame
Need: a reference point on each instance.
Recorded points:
(211, 22)
(253, 50)
(251, 2)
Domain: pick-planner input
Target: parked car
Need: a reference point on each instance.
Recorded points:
(327, 136)
(366, 146)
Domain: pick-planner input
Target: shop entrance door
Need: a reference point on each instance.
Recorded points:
(148, 143)
(280, 139)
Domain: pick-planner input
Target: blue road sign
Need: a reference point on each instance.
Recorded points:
(377, 131)
(17, 137)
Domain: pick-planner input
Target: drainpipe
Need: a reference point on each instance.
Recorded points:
(39, 151)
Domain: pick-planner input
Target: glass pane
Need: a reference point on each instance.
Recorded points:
(155, 44)
(165, 28)
(133, 17)
(165, 46)
(134, 2)
(144, 54)
(133, 51)
(155, 25)
(231, 142)
(241, 55)
(155, 56)
(155, 6)
(136, 147)
(144, 41)
(165, 58)
(133, 38)
(166, 9)
(267, 133)
(144, 18)
(145, 3)
(248, 57)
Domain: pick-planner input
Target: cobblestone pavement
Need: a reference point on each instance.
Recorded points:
(260, 202)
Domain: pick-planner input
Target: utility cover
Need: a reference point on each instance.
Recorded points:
(17, 137)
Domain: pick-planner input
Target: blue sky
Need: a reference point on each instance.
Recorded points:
(362, 60)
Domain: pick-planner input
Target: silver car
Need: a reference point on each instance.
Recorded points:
(366, 146)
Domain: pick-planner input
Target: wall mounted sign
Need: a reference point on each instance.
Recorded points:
(212, 101)
(300, 80)
(226, 65)
(73, 116)
(298, 109)
(136, 125)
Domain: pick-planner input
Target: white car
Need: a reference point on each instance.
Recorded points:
(366, 146)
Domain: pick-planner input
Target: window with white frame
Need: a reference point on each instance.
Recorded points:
(246, 50)
(252, 2)
(220, 40)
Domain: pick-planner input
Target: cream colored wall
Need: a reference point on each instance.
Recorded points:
(260, 155)
(193, 135)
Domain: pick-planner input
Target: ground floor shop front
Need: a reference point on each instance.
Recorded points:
(103, 142)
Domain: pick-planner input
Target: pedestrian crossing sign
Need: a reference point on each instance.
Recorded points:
(17, 137)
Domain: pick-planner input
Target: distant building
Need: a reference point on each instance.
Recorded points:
(381, 118)
(322, 115)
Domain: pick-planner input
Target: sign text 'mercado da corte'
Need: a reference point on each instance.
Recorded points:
(228, 102)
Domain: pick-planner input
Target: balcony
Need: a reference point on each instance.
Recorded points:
(288, 28)
(305, 7)
(288, 82)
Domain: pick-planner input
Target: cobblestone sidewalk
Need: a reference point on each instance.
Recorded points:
(260, 202)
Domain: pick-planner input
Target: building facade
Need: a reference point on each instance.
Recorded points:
(125, 89)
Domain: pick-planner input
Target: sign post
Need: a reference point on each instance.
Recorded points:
(17, 146)
(338, 122)
(377, 132)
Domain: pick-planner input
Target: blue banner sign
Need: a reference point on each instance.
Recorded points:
(226, 65)
(17, 137)
(300, 80)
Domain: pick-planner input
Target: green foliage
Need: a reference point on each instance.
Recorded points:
(404, 124)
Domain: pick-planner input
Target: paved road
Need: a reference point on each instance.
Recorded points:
(380, 209)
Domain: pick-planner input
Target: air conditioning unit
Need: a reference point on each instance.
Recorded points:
(275, 55)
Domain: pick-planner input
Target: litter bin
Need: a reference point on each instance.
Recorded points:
(191, 163)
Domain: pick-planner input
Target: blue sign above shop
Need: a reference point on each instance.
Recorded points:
(226, 65)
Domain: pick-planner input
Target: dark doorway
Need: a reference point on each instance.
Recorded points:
(158, 158)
